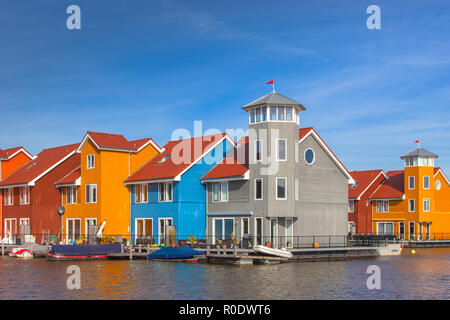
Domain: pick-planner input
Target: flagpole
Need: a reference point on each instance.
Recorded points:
(273, 86)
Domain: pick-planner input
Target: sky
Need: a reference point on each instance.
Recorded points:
(144, 68)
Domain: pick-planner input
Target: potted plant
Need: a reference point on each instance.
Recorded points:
(233, 240)
(192, 241)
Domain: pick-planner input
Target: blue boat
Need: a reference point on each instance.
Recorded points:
(82, 252)
(186, 254)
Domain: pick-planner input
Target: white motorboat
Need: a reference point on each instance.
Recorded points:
(283, 253)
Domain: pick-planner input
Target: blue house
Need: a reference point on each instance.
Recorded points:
(167, 194)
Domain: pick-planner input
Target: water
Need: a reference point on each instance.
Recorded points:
(421, 276)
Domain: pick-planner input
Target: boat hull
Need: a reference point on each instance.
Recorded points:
(272, 251)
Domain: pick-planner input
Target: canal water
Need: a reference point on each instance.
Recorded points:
(424, 275)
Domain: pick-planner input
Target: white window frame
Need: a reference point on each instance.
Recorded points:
(22, 220)
(162, 233)
(409, 205)
(242, 226)
(285, 188)
(91, 193)
(262, 189)
(401, 223)
(8, 197)
(314, 154)
(438, 185)
(413, 180)
(68, 220)
(429, 204)
(144, 221)
(413, 223)
(285, 150)
(255, 228)
(274, 236)
(384, 223)
(351, 206)
(141, 193)
(90, 158)
(256, 151)
(428, 182)
(24, 198)
(223, 227)
(220, 191)
(165, 192)
(383, 207)
(71, 198)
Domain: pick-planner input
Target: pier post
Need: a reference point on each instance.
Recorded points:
(218, 249)
(140, 248)
(208, 250)
(235, 251)
(148, 248)
(131, 252)
(121, 248)
(224, 249)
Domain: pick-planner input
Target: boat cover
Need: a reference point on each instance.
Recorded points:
(174, 253)
(88, 249)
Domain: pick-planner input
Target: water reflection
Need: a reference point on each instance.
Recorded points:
(421, 276)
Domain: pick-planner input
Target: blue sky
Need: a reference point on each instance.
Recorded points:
(144, 68)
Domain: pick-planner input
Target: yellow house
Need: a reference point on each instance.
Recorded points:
(94, 193)
(413, 203)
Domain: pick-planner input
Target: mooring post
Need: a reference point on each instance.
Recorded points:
(224, 249)
(121, 248)
(207, 250)
(140, 248)
(235, 250)
(131, 252)
(218, 249)
(148, 248)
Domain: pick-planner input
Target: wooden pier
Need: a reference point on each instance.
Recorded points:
(131, 252)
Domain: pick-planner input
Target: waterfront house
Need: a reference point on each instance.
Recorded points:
(93, 193)
(30, 199)
(167, 194)
(292, 187)
(413, 203)
(359, 210)
(11, 160)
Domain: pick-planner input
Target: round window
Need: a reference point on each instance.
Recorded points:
(438, 185)
(309, 156)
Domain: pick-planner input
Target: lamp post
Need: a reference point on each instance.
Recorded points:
(367, 218)
(61, 211)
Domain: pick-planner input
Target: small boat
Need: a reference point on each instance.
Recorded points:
(21, 253)
(283, 253)
(175, 254)
(82, 252)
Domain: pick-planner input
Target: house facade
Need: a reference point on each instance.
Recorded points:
(30, 199)
(413, 203)
(295, 186)
(167, 194)
(93, 193)
(11, 160)
(359, 206)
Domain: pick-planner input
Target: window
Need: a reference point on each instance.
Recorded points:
(258, 152)
(141, 193)
(71, 195)
(144, 228)
(24, 195)
(351, 206)
(281, 189)
(438, 185)
(163, 233)
(412, 183)
(252, 116)
(259, 231)
(288, 113)
(223, 228)
(8, 197)
(263, 113)
(273, 113)
(401, 229)
(411, 161)
(90, 161)
(385, 228)
(220, 191)
(165, 192)
(426, 182)
(426, 205)
(310, 157)
(412, 229)
(289, 232)
(382, 205)
(281, 154)
(258, 189)
(91, 193)
(258, 115)
(73, 229)
(245, 226)
(281, 113)
(411, 205)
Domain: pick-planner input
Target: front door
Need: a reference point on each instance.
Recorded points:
(273, 233)
(163, 223)
(10, 230)
(73, 229)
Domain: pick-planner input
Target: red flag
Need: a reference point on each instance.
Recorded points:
(417, 141)
(270, 82)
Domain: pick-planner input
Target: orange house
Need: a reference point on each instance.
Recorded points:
(413, 203)
(94, 193)
(11, 160)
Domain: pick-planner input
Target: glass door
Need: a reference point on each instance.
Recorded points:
(163, 223)
(289, 233)
(73, 229)
(273, 233)
(258, 231)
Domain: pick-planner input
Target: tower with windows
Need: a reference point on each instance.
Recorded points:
(273, 151)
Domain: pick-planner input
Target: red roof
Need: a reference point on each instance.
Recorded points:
(71, 177)
(392, 187)
(45, 160)
(363, 179)
(170, 163)
(5, 154)
(117, 141)
(232, 165)
(302, 132)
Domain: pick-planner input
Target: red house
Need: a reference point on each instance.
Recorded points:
(30, 200)
(359, 209)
